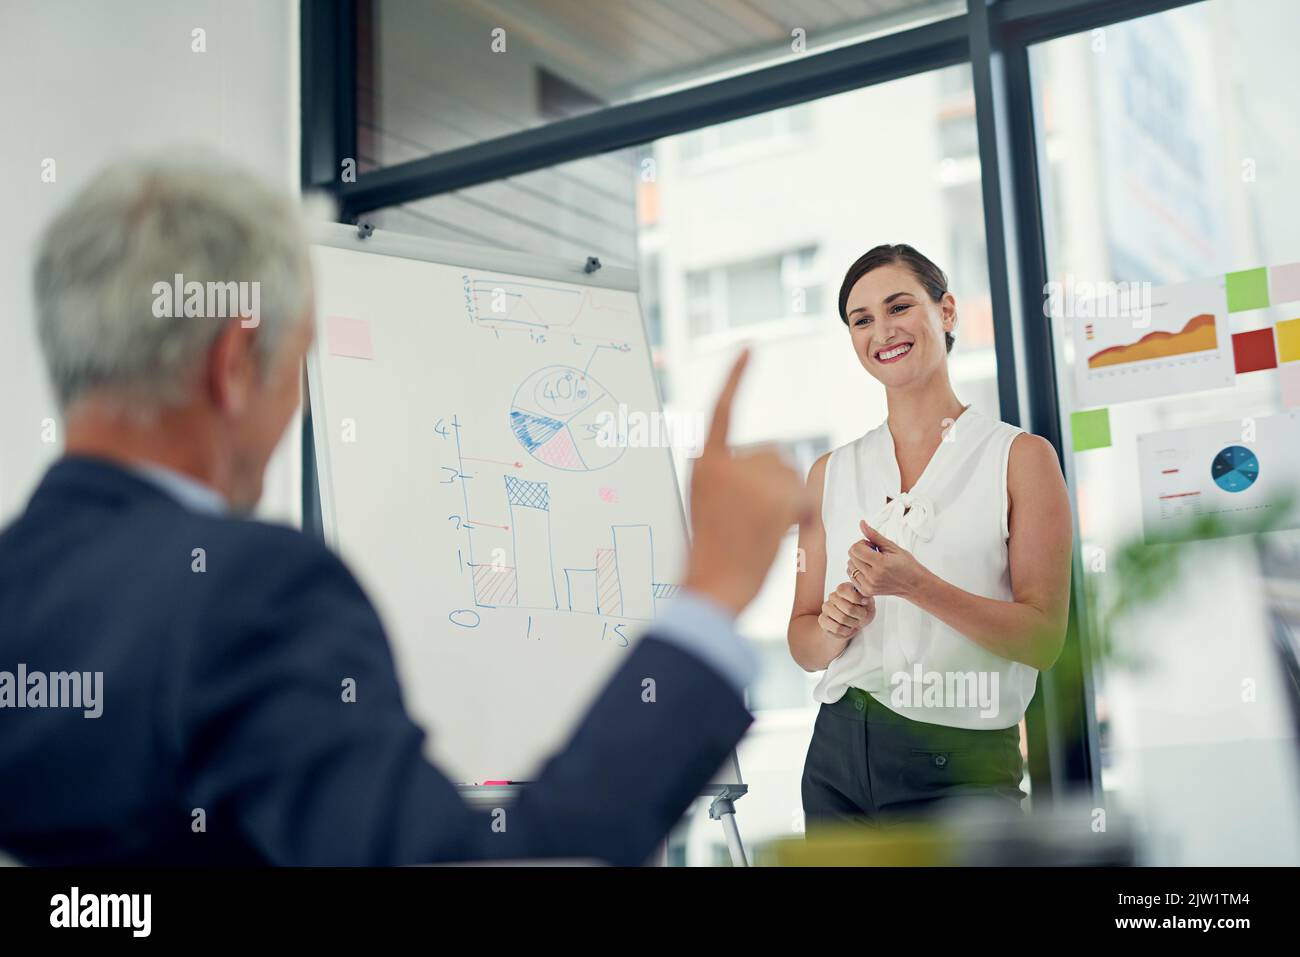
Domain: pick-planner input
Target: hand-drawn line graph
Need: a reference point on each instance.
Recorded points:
(557, 415)
(536, 308)
(619, 584)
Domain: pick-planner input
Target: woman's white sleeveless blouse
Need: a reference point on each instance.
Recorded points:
(954, 520)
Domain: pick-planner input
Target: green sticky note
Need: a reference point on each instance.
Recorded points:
(1247, 289)
(1091, 429)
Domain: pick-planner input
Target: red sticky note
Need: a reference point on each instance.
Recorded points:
(1253, 350)
(348, 337)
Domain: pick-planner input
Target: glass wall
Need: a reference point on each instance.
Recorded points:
(1170, 199)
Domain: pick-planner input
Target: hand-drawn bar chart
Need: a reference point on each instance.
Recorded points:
(530, 521)
(619, 583)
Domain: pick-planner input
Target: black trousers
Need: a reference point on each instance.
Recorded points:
(869, 765)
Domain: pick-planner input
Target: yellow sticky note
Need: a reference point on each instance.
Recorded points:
(1288, 341)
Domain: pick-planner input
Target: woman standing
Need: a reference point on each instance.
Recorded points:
(937, 574)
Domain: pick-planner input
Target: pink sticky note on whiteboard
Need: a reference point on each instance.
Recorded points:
(348, 337)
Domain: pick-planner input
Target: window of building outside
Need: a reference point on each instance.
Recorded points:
(769, 288)
(1170, 161)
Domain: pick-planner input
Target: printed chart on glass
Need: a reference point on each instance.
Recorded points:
(1178, 342)
(1233, 470)
(471, 434)
(1135, 341)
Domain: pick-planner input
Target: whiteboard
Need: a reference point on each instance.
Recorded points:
(474, 476)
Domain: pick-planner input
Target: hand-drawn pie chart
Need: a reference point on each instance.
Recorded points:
(566, 419)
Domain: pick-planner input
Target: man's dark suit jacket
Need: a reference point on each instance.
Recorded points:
(222, 690)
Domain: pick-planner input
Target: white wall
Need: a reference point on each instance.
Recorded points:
(83, 82)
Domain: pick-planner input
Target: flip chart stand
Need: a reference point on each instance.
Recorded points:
(723, 810)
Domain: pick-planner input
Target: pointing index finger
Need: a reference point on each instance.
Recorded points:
(717, 440)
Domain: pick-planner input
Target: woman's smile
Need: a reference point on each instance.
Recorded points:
(893, 353)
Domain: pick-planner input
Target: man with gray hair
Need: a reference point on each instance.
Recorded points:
(126, 371)
(174, 308)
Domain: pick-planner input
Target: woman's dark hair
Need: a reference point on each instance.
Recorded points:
(927, 273)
